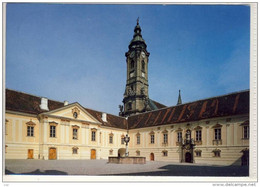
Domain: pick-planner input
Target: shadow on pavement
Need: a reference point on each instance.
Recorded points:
(37, 172)
(186, 170)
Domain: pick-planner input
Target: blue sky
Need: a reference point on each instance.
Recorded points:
(77, 52)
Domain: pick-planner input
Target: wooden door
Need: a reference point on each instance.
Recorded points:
(93, 154)
(188, 157)
(152, 157)
(52, 154)
(30, 153)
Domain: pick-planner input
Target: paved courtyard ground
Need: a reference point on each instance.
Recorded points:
(103, 168)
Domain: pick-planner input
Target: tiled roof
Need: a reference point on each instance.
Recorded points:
(112, 120)
(227, 105)
(26, 103)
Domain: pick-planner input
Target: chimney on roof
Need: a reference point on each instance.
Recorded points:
(44, 103)
(104, 117)
(66, 103)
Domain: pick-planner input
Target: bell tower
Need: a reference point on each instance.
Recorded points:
(136, 98)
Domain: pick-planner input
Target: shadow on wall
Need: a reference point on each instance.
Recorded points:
(38, 172)
(195, 170)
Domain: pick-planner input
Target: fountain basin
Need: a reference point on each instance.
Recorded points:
(127, 160)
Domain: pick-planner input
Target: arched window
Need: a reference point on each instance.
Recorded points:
(143, 66)
(132, 64)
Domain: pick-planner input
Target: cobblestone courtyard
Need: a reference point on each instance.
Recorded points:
(102, 167)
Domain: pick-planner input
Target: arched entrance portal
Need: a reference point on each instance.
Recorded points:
(188, 157)
(121, 152)
(151, 157)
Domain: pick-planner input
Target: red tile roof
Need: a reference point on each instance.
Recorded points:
(26, 103)
(227, 105)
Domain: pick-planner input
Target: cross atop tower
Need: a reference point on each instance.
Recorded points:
(137, 21)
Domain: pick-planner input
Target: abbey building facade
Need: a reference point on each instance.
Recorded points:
(210, 131)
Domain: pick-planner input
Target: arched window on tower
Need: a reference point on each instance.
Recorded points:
(132, 65)
(143, 66)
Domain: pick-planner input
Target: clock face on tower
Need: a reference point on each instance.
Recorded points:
(132, 54)
(143, 54)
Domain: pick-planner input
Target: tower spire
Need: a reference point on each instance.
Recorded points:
(179, 98)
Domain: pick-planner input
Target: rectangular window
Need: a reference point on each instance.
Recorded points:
(75, 134)
(165, 138)
(217, 134)
(198, 153)
(152, 138)
(217, 154)
(53, 131)
(93, 136)
(110, 139)
(30, 131)
(246, 132)
(138, 139)
(179, 136)
(122, 141)
(75, 151)
(198, 135)
(165, 153)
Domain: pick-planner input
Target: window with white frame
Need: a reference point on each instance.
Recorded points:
(93, 135)
(138, 139)
(179, 136)
(165, 138)
(198, 135)
(52, 131)
(30, 130)
(217, 134)
(111, 138)
(152, 138)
